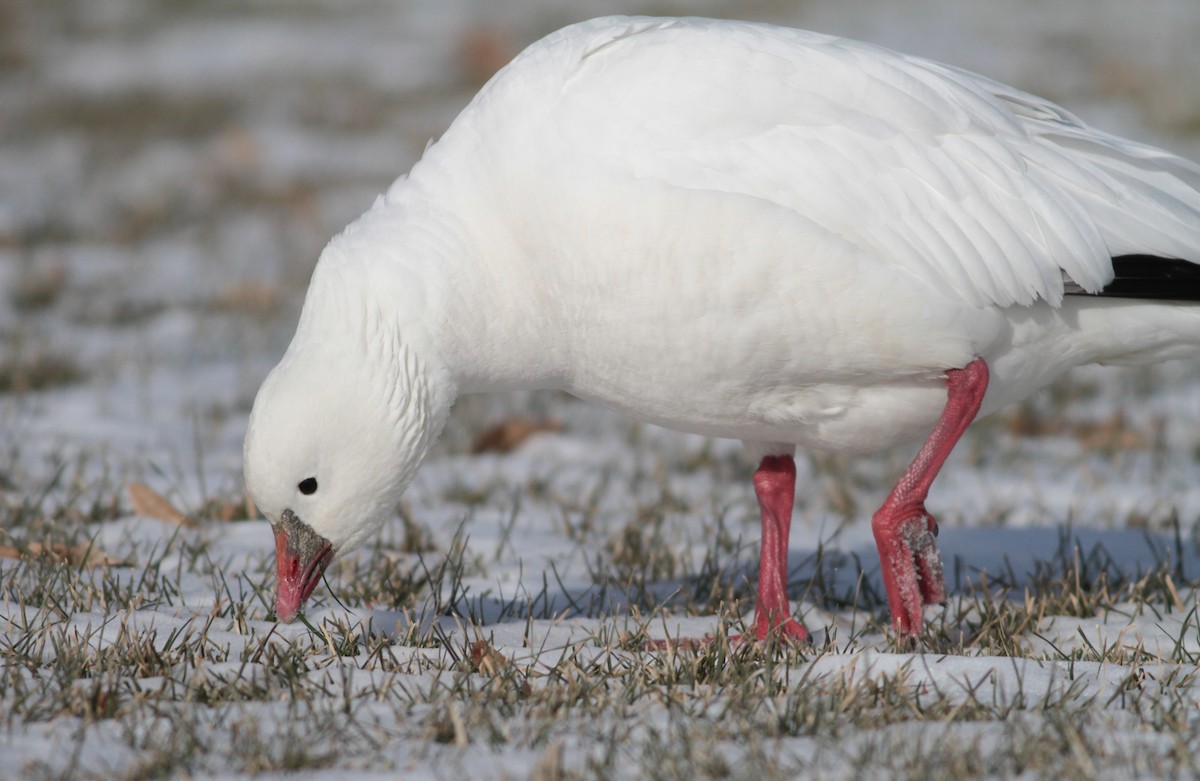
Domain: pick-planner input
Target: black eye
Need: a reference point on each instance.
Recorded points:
(308, 486)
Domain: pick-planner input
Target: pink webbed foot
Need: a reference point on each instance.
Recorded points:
(911, 566)
(789, 629)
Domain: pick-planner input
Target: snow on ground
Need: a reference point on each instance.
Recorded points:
(168, 174)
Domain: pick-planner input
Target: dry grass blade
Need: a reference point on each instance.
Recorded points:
(549, 766)
(151, 504)
(509, 435)
(488, 661)
(227, 510)
(1111, 434)
(73, 555)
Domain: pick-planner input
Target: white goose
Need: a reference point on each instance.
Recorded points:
(733, 229)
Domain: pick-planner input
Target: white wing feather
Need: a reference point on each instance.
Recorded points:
(983, 192)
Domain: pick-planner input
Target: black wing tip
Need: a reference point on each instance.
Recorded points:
(1149, 277)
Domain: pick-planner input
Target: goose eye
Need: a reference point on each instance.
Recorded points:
(308, 486)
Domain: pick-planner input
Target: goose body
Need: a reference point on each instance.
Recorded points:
(737, 230)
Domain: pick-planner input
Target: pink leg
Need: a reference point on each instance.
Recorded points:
(775, 485)
(904, 530)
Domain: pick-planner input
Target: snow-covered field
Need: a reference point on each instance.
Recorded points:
(169, 172)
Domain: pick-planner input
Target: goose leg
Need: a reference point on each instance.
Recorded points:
(775, 486)
(904, 529)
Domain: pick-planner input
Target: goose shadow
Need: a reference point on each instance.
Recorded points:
(996, 559)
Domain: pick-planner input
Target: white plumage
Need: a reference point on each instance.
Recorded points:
(728, 228)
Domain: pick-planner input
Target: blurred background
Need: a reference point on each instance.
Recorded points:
(170, 169)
